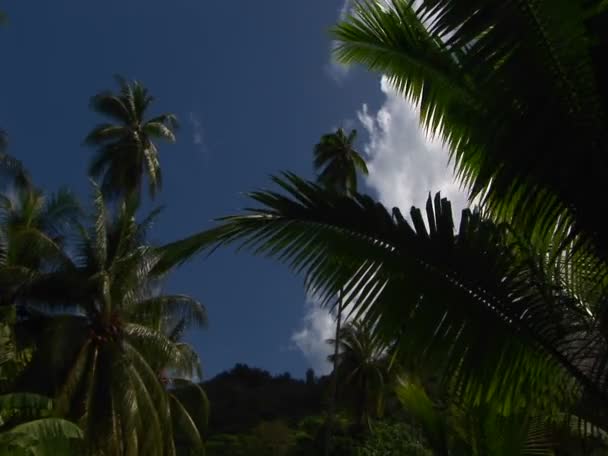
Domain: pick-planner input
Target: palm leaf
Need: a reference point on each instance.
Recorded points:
(175, 307)
(398, 276)
(461, 63)
(44, 437)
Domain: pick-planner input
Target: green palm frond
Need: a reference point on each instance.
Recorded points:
(187, 433)
(399, 275)
(426, 414)
(159, 130)
(104, 133)
(174, 307)
(151, 344)
(159, 398)
(23, 406)
(195, 401)
(61, 211)
(186, 364)
(461, 64)
(44, 437)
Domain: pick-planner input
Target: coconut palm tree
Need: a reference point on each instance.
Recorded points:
(364, 364)
(33, 228)
(463, 65)
(95, 324)
(126, 149)
(337, 162)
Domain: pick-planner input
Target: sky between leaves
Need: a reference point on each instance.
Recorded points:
(254, 87)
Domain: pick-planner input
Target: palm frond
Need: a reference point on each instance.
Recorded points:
(104, 133)
(187, 433)
(195, 401)
(175, 307)
(111, 106)
(44, 437)
(398, 276)
(461, 64)
(23, 405)
(62, 210)
(159, 130)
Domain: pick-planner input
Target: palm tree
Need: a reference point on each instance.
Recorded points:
(33, 228)
(29, 218)
(126, 149)
(338, 163)
(463, 65)
(96, 323)
(364, 362)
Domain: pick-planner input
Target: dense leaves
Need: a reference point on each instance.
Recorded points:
(492, 78)
(479, 307)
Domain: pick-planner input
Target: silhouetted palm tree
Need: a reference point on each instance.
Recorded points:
(338, 163)
(364, 364)
(125, 149)
(33, 228)
(100, 341)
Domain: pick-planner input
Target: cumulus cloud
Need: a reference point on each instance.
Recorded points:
(318, 325)
(404, 163)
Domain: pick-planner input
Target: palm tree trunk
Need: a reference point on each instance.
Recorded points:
(333, 399)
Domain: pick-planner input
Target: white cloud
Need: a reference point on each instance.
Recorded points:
(318, 325)
(404, 163)
(336, 70)
(311, 339)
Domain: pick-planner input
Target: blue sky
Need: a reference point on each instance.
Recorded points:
(254, 89)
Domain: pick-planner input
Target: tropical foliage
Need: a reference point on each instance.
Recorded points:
(83, 308)
(483, 333)
(364, 365)
(506, 311)
(462, 64)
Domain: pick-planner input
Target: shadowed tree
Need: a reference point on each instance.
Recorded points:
(33, 228)
(126, 149)
(364, 364)
(337, 163)
(98, 327)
